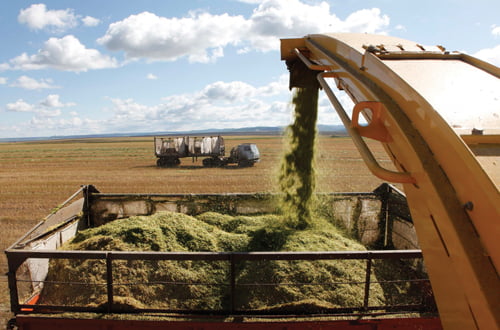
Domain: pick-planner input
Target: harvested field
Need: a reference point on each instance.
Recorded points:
(37, 176)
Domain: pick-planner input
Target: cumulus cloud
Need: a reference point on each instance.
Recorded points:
(199, 36)
(90, 21)
(202, 37)
(227, 92)
(130, 110)
(33, 84)
(217, 105)
(366, 21)
(20, 106)
(3, 80)
(495, 30)
(491, 55)
(37, 17)
(66, 54)
(151, 76)
(53, 101)
(48, 106)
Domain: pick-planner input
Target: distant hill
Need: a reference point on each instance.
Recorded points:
(258, 130)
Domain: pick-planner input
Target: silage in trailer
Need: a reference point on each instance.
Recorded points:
(202, 285)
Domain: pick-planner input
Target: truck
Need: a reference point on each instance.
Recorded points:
(169, 150)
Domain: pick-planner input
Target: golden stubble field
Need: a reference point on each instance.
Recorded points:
(37, 176)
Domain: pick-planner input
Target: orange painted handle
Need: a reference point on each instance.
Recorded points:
(375, 129)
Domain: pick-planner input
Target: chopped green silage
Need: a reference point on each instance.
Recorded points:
(264, 285)
(297, 177)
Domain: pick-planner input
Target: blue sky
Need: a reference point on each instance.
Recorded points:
(90, 67)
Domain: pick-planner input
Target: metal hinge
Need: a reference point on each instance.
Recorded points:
(406, 49)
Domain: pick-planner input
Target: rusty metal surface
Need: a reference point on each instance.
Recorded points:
(38, 323)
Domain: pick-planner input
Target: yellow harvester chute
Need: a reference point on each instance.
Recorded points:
(437, 114)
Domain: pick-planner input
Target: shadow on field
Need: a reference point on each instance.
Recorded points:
(201, 167)
(145, 166)
(192, 167)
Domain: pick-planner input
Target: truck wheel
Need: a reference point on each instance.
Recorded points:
(172, 162)
(245, 163)
(168, 162)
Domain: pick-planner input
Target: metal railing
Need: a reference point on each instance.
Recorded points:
(234, 287)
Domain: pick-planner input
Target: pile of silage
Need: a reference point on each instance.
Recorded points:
(205, 285)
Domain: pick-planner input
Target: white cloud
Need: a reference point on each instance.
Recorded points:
(151, 76)
(52, 101)
(279, 86)
(3, 81)
(227, 92)
(400, 27)
(37, 17)
(366, 21)
(49, 113)
(201, 37)
(130, 110)
(75, 125)
(491, 55)
(90, 21)
(46, 107)
(33, 84)
(495, 30)
(276, 19)
(217, 105)
(66, 54)
(19, 106)
(251, 1)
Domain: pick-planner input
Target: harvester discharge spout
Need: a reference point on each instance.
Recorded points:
(300, 75)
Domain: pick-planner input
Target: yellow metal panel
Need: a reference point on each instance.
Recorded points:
(454, 202)
(464, 96)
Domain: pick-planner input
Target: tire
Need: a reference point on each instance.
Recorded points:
(168, 162)
(245, 163)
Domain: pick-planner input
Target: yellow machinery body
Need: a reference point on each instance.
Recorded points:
(437, 114)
